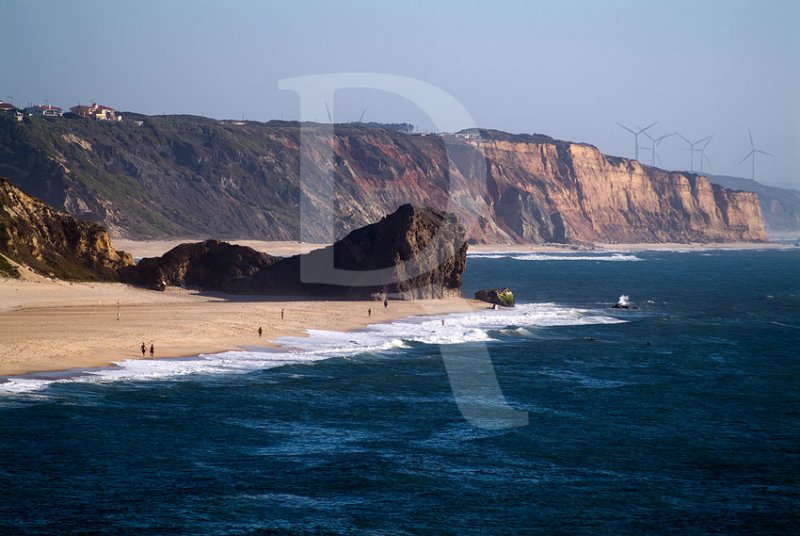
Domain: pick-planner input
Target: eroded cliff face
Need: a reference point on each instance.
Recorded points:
(191, 176)
(562, 192)
(54, 243)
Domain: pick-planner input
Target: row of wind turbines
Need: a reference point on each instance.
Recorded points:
(690, 146)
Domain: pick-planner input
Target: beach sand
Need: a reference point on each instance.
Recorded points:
(50, 325)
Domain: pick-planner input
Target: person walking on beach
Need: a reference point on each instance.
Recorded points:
(143, 349)
(282, 314)
(369, 311)
(259, 331)
(152, 350)
(385, 303)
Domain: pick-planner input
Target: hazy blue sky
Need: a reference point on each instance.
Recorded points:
(568, 69)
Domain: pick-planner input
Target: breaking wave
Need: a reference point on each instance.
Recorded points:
(459, 328)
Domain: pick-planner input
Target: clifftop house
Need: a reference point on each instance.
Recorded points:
(96, 111)
(46, 110)
(10, 109)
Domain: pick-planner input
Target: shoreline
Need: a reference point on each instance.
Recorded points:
(152, 248)
(52, 326)
(625, 248)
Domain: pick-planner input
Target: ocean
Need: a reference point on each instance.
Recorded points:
(680, 415)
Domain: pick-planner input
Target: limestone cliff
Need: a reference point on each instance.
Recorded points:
(52, 242)
(192, 176)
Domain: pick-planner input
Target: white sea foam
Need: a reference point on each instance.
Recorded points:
(614, 257)
(458, 328)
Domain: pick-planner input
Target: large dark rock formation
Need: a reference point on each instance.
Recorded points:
(193, 176)
(204, 265)
(499, 296)
(413, 253)
(54, 243)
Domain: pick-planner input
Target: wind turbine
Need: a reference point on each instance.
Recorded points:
(654, 149)
(691, 148)
(752, 154)
(702, 151)
(636, 134)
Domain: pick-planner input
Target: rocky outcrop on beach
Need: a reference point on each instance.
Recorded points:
(192, 176)
(499, 296)
(413, 253)
(54, 243)
(204, 265)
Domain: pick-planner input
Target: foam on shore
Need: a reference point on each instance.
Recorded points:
(458, 328)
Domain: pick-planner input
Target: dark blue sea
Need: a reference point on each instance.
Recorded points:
(680, 415)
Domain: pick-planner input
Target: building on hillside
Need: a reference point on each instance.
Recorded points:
(46, 110)
(9, 109)
(96, 111)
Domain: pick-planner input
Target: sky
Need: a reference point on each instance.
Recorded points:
(569, 69)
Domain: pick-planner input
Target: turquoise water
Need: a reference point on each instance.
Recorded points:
(681, 416)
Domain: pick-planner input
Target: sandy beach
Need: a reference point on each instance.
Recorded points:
(55, 325)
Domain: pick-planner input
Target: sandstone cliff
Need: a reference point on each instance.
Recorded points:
(191, 176)
(780, 207)
(54, 243)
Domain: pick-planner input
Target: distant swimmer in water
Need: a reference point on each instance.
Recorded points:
(648, 343)
(443, 321)
(144, 349)
(260, 331)
(590, 339)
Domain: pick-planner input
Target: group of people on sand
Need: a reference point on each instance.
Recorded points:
(152, 349)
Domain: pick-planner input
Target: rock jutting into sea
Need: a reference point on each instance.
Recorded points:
(499, 296)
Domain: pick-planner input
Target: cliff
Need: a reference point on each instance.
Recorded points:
(54, 243)
(191, 176)
(780, 207)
